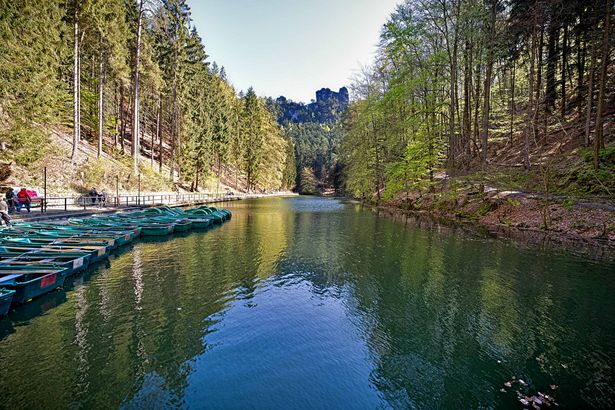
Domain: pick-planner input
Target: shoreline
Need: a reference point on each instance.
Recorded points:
(597, 249)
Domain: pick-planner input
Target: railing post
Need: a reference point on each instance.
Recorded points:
(44, 203)
(65, 204)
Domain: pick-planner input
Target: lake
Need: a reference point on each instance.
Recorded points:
(317, 303)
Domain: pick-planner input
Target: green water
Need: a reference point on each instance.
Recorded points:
(316, 303)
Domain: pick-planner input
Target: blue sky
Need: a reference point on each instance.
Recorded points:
(290, 47)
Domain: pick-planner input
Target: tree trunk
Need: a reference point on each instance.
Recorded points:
(196, 185)
(551, 93)
(512, 101)
(143, 126)
(122, 119)
(101, 88)
(173, 122)
(598, 131)
(564, 58)
(581, 56)
(76, 105)
(219, 176)
(488, 72)
(531, 111)
(467, 79)
(159, 132)
(117, 117)
(452, 108)
(178, 147)
(476, 107)
(135, 104)
(541, 45)
(590, 91)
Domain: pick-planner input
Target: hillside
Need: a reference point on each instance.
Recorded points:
(104, 92)
(65, 177)
(492, 113)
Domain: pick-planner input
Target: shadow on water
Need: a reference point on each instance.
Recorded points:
(311, 302)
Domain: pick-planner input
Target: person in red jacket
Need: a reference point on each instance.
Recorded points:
(23, 199)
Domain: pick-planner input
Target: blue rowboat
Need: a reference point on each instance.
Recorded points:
(6, 297)
(31, 284)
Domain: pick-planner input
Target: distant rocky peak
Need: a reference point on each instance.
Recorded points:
(325, 95)
(327, 108)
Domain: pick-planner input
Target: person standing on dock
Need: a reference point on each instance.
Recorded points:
(93, 195)
(4, 212)
(23, 199)
(10, 200)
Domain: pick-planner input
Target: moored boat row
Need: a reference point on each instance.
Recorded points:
(36, 258)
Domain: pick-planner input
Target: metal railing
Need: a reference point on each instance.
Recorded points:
(66, 203)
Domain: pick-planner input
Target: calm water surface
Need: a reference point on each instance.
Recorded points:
(316, 303)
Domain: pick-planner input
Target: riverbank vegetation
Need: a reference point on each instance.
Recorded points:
(470, 97)
(462, 85)
(133, 80)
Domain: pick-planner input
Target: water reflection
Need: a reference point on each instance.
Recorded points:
(308, 302)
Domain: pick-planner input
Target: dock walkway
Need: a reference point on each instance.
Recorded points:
(135, 203)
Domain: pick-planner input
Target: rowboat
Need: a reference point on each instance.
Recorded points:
(32, 283)
(157, 229)
(123, 235)
(36, 257)
(227, 214)
(38, 254)
(104, 223)
(200, 223)
(34, 241)
(6, 297)
(96, 253)
(113, 240)
(71, 265)
(208, 214)
(182, 225)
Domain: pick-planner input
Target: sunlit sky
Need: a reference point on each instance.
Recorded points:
(290, 47)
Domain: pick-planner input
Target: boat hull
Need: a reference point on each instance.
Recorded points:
(6, 297)
(31, 286)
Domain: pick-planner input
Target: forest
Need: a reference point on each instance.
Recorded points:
(316, 133)
(133, 79)
(501, 91)
(516, 93)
